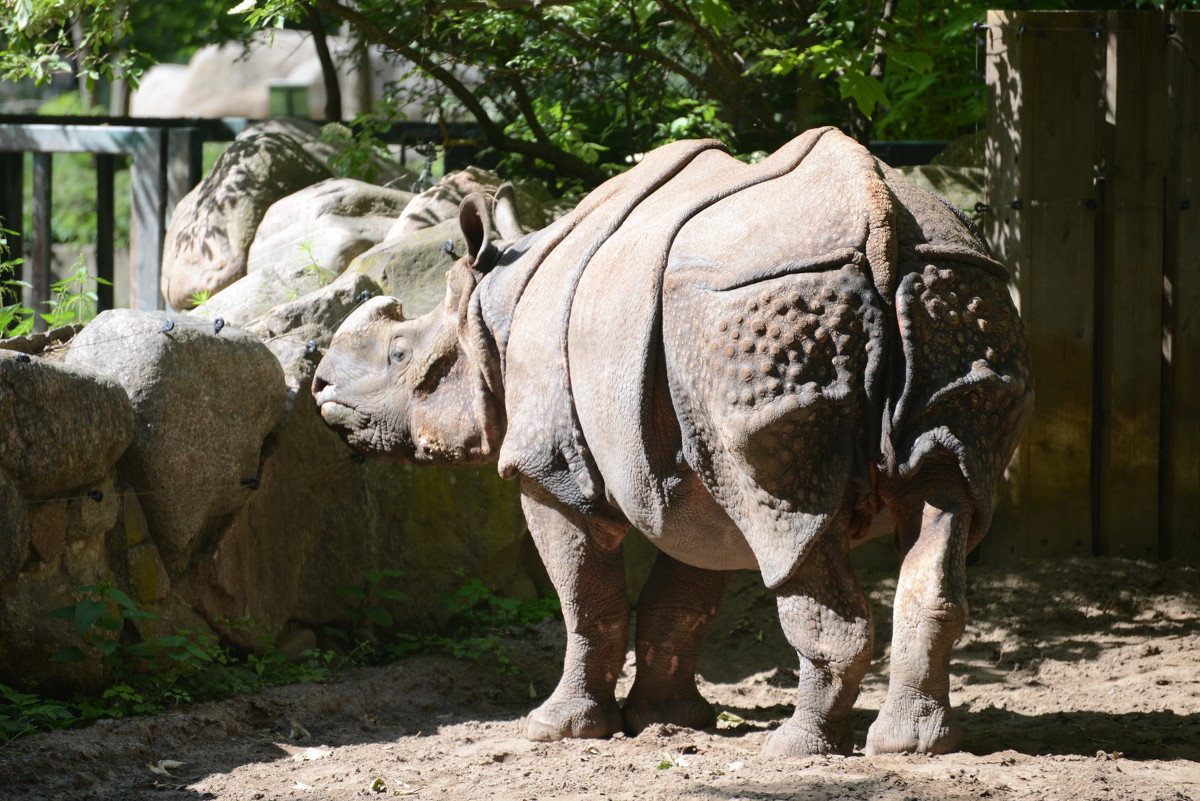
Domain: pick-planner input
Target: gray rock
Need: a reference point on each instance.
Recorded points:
(441, 201)
(961, 186)
(210, 232)
(335, 146)
(61, 426)
(412, 267)
(318, 230)
(321, 521)
(14, 531)
(203, 403)
(315, 316)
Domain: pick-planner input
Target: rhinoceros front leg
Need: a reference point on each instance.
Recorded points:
(583, 557)
(929, 615)
(675, 609)
(827, 619)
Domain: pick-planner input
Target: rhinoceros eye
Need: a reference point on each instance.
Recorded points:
(400, 352)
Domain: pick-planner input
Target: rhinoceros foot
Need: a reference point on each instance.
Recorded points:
(558, 719)
(924, 727)
(689, 712)
(794, 739)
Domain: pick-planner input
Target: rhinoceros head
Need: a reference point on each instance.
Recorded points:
(419, 390)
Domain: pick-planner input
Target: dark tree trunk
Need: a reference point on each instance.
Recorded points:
(861, 124)
(333, 92)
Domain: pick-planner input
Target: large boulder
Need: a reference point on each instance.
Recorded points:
(441, 201)
(314, 317)
(413, 266)
(14, 530)
(322, 521)
(335, 146)
(209, 236)
(203, 403)
(316, 231)
(61, 426)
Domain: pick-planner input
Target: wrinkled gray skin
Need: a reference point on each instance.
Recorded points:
(747, 363)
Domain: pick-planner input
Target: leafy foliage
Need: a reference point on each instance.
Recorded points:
(148, 676)
(479, 624)
(572, 90)
(16, 319)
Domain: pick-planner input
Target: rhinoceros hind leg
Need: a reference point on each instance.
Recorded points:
(827, 620)
(929, 615)
(675, 609)
(583, 557)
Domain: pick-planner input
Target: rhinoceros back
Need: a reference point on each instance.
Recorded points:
(757, 329)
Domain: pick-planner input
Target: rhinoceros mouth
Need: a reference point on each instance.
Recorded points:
(337, 413)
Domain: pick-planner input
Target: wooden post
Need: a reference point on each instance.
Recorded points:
(1130, 369)
(1040, 188)
(37, 271)
(1180, 488)
(104, 230)
(12, 212)
(149, 186)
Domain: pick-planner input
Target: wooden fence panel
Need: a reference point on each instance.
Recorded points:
(1180, 510)
(1041, 141)
(1131, 361)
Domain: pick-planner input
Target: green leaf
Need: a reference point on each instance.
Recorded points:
(62, 613)
(197, 651)
(380, 616)
(87, 612)
(865, 91)
(120, 597)
(107, 647)
(914, 60)
(170, 641)
(69, 654)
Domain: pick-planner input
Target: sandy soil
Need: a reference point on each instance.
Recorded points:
(1075, 680)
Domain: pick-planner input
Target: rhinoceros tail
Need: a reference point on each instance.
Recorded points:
(967, 387)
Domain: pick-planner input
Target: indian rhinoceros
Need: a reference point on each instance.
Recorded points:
(747, 363)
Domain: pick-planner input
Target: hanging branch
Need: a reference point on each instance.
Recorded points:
(561, 159)
(333, 92)
(861, 124)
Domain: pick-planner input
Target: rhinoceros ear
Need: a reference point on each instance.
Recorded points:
(475, 220)
(508, 223)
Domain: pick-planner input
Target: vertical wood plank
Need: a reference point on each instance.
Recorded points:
(37, 271)
(1044, 93)
(12, 211)
(1004, 175)
(149, 186)
(105, 219)
(1131, 353)
(1180, 507)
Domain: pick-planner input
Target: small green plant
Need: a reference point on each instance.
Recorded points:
(73, 300)
(16, 319)
(149, 676)
(480, 623)
(24, 713)
(199, 301)
(322, 275)
(356, 155)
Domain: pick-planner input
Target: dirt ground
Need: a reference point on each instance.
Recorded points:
(1075, 680)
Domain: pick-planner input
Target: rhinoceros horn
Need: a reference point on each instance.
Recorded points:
(377, 308)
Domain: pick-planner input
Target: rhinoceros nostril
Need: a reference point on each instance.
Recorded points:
(318, 384)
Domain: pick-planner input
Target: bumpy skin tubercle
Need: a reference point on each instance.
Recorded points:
(747, 363)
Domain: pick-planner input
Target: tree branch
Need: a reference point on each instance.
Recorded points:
(567, 162)
(860, 124)
(730, 100)
(763, 116)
